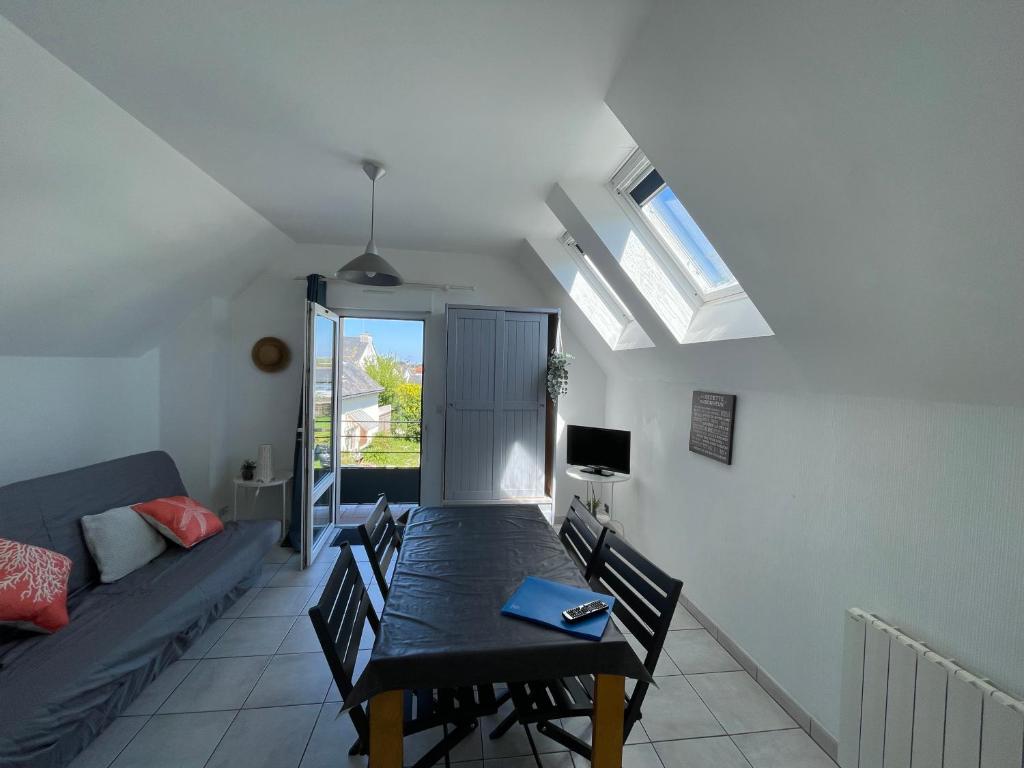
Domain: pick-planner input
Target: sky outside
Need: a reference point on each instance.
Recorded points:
(401, 338)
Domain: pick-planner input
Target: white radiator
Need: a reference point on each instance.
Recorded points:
(904, 706)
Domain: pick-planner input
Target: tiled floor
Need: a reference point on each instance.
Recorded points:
(255, 692)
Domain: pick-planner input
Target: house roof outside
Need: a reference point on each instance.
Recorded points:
(353, 348)
(355, 382)
(361, 417)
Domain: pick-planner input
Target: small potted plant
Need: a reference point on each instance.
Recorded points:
(248, 469)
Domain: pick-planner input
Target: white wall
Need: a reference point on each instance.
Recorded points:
(194, 400)
(59, 413)
(263, 407)
(858, 167)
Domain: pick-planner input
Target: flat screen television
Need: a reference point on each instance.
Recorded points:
(597, 450)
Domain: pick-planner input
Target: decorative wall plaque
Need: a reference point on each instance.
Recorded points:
(711, 421)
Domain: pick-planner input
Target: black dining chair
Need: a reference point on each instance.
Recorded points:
(645, 599)
(338, 619)
(582, 536)
(381, 538)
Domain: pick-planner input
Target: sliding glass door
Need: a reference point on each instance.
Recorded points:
(321, 382)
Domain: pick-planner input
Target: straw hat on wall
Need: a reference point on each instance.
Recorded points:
(270, 354)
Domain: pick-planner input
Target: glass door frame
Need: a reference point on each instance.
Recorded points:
(313, 490)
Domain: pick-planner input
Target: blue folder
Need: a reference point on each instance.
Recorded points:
(542, 602)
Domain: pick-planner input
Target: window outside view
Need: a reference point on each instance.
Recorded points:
(686, 241)
(381, 386)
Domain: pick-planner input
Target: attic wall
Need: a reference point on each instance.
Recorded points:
(111, 237)
(58, 413)
(858, 167)
(194, 399)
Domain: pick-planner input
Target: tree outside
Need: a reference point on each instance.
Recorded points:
(400, 446)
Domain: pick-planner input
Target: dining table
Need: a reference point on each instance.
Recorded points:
(442, 626)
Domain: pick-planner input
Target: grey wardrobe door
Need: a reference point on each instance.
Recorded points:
(471, 413)
(522, 391)
(495, 415)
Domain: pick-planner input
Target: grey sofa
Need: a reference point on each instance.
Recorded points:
(57, 692)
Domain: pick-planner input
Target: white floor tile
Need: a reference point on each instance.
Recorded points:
(216, 684)
(278, 601)
(301, 638)
(294, 678)
(252, 637)
(782, 749)
(675, 711)
(156, 693)
(739, 703)
(663, 668)
(108, 745)
(292, 576)
(581, 728)
(176, 741)
(206, 640)
(695, 651)
(235, 609)
(329, 745)
(701, 753)
(683, 619)
(555, 760)
(266, 738)
(633, 756)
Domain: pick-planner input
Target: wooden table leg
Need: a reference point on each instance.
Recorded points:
(386, 730)
(609, 702)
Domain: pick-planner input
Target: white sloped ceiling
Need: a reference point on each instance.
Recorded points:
(109, 235)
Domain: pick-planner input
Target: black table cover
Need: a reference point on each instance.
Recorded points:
(442, 624)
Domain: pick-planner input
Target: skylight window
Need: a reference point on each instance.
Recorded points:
(650, 200)
(596, 298)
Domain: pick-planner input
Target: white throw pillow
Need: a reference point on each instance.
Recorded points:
(120, 541)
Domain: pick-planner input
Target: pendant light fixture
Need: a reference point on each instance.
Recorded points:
(371, 268)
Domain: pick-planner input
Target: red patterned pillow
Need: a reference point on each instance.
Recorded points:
(182, 520)
(33, 587)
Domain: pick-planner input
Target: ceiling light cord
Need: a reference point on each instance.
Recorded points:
(373, 204)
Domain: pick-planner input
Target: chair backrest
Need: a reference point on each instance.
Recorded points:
(645, 599)
(338, 618)
(582, 536)
(379, 534)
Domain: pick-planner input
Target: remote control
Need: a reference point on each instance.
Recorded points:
(585, 610)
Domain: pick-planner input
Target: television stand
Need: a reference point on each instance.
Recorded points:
(594, 478)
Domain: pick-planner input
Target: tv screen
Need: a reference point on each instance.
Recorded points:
(597, 448)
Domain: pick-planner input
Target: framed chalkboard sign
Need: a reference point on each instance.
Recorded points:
(711, 421)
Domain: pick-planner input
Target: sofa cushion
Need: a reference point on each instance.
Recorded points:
(184, 521)
(72, 684)
(46, 511)
(120, 541)
(33, 587)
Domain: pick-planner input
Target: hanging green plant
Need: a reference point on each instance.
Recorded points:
(558, 374)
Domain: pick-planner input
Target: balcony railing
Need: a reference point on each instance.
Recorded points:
(396, 447)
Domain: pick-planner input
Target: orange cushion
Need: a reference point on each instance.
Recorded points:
(33, 587)
(182, 520)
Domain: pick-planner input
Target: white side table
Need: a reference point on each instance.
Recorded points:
(280, 480)
(592, 480)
